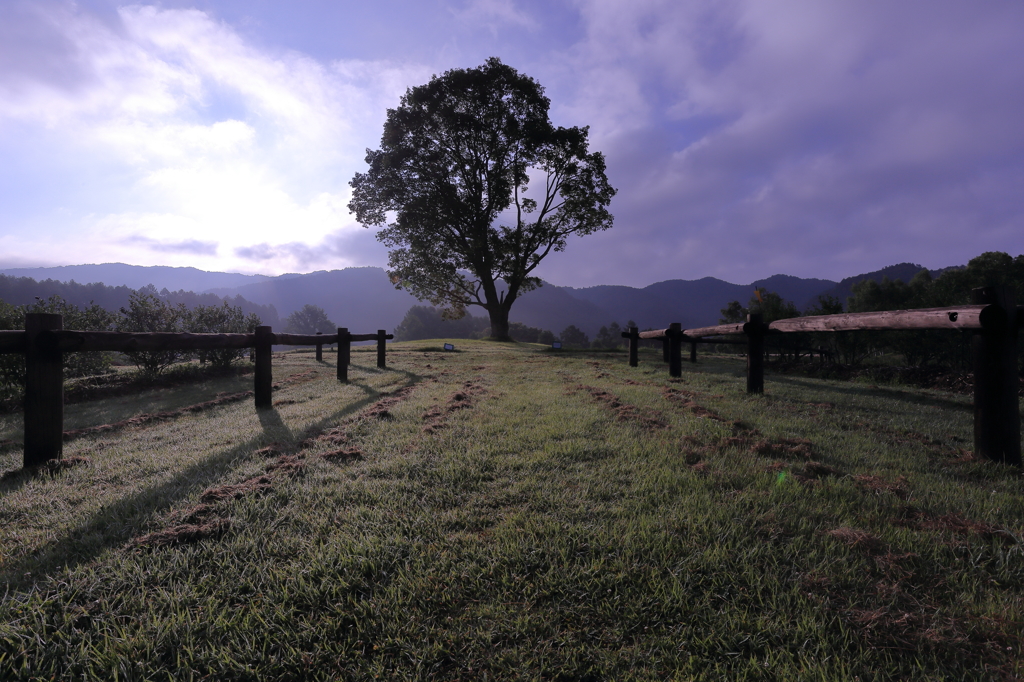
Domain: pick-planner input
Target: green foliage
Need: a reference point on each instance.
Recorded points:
(609, 337)
(771, 306)
(147, 312)
(953, 287)
(734, 313)
(572, 337)
(455, 154)
(222, 319)
(309, 319)
(423, 322)
(92, 318)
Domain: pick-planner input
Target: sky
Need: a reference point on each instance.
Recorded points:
(746, 138)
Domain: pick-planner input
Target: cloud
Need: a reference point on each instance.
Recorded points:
(817, 139)
(205, 139)
(188, 246)
(494, 14)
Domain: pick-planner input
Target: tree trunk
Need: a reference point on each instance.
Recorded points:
(499, 323)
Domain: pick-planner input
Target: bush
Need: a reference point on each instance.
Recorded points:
(222, 319)
(146, 312)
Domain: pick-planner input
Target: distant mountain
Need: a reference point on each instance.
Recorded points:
(138, 276)
(363, 299)
(693, 303)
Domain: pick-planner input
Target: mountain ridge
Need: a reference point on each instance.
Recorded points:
(362, 298)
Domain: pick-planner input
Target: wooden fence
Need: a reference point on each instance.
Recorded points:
(993, 317)
(45, 341)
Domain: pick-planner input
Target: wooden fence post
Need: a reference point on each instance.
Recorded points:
(381, 341)
(693, 352)
(754, 329)
(634, 346)
(44, 391)
(675, 340)
(264, 375)
(996, 406)
(344, 353)
(319, 350)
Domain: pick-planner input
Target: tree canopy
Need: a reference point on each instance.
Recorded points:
(451, 189)
(309, 319)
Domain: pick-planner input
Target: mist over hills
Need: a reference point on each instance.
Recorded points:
(138, 276)
(363, 299)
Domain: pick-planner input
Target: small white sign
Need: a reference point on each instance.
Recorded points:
(449, 346)
(556, 344)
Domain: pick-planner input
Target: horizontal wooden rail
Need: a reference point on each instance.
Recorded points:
(44, 342)
(13, 341)
(952, 317)
(68, 341)
(993, 317)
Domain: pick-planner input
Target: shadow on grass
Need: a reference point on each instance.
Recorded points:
(118, 523)
(878, 391)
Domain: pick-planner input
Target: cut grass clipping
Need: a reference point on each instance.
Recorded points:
(509, 513)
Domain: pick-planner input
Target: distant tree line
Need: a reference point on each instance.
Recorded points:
(916, 348)
(425, 322)
(27, 291)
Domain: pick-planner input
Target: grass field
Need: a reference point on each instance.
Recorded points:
(505, 512)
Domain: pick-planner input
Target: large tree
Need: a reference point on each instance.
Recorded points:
(450, 187)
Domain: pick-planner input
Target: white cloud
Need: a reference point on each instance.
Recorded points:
(223, 143)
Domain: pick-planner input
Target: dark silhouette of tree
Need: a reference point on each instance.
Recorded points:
(453, 172)
(574, 337)
(309, 319)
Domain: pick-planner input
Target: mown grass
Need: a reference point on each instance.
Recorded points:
(512, 513)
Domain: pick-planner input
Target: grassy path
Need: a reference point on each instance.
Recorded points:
(506, 513)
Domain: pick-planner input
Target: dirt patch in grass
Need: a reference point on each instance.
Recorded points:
(436, 417)
(901, 609)
(685, 399)
(343, 455)
(857, 539)
(381, 408)
(227, 492)
(785, 448)
(922, 519)
(624, 412)
(876, 484)
(182, 533)
(812, 472)
(287, 464)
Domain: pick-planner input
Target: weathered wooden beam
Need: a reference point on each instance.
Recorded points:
(653, 334)
(344, 353)
(633, 335)
(755, 331)
(303, 339)
(369, 337)
(13, 341)
(382, 334)
(44, 390)
(996, 405)
(675, 351)
(264, 379)
(68, 341)
(736, 328)
(961, 317)
(319, 350)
